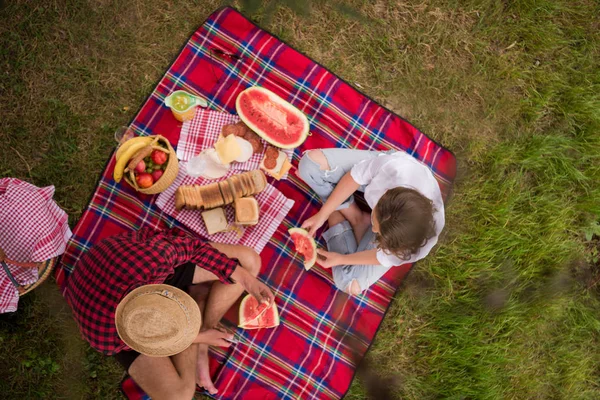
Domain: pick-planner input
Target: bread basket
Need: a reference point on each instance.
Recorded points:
(168, 176)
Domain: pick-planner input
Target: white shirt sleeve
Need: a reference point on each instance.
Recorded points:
(364, 172)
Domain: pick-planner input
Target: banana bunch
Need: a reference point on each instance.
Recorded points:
(131, 152)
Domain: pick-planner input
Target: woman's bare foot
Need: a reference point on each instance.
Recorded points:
(203, 372)
(359, 220)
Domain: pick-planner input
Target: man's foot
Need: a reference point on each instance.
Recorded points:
(203, 372)
(359, 220)
(214, 337)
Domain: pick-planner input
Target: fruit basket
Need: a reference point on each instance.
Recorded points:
(169, 173)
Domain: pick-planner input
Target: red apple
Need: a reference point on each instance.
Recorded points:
(144, 180)
(156, 174)
(141, 167)
(159, 157)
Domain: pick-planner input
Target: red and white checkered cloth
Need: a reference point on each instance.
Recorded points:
(33, 228)
(273, 206)
(203, 131)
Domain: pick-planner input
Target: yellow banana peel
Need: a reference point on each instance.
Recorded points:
(125, 146)
(126, 155)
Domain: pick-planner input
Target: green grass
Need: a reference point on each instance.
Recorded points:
(506, 307)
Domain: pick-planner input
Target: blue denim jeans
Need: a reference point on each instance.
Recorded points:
(340, 237)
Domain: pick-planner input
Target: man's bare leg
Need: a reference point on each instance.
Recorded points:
(220, 299)
(167, 377)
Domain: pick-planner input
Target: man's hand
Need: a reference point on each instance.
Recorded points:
(260, 291)
(328, 259)
(313, 223)
(256, 288)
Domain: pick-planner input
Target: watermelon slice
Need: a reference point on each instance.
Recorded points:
(257, 316)
(305, 245)
(272, 118)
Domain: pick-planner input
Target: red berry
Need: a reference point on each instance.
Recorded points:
(144, 180)
(157, 174)
(141, 167)
(159, 157)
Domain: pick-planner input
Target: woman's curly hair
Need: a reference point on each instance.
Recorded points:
(406, 222)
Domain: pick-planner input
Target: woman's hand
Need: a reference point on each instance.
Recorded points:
(313, 223)
(328, 259)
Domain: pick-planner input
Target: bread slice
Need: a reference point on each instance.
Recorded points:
(179, 198)
(259, 180)
(215, 220)
(189, 201)
(246, 184)
(281, 168)
(236, 186)
(246, 211)
(226, 192)
(213, 195)
(198, 196)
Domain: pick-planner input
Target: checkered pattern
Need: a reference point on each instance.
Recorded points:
(202, 133)
(323, 333)
(32, 228)
(273, 205)
(121, 263)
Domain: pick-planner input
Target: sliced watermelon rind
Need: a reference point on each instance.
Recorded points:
(265, 135)
(254, 325)
(308, 263)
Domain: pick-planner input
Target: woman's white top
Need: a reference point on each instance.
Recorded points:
(388, 171)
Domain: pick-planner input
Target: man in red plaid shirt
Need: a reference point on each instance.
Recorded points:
(119, 264)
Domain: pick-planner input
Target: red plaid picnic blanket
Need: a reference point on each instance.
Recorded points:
(323, 333)
(273, 205)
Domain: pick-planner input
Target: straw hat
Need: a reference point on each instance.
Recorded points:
(158, 320)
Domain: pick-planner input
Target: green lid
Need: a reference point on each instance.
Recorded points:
(181, 101)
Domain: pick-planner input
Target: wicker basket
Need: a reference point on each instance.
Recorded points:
(44, 270)
(168, 175)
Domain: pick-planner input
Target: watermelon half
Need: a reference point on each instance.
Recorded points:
(257, 316)
(272, 118)
(305, 245)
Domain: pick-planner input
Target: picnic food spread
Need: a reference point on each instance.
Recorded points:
(256, 316)
(305, 245)
(274, 119)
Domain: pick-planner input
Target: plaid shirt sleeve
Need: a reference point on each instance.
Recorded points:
(186, 248)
